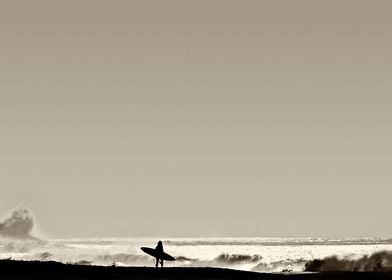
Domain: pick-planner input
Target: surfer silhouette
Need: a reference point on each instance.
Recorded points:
(158, 254)
(159, 250)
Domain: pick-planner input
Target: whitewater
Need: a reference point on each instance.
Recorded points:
(253, 254)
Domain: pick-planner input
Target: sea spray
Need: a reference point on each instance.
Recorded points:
(18, 225)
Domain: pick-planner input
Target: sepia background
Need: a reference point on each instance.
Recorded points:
(197, 118)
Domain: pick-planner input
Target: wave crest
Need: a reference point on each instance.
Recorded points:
(237, 258)
(378, 262)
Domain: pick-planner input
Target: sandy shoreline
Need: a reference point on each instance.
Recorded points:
(10, 269)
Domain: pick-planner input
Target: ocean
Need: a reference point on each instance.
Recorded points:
(252, 254)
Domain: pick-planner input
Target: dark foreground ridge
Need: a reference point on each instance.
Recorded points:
(10, 269)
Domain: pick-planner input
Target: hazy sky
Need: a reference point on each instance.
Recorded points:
(198, 118)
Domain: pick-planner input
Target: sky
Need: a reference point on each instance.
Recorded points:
(197, 118)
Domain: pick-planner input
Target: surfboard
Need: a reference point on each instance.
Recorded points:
(152, 252)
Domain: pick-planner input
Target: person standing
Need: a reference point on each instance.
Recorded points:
(159, 254)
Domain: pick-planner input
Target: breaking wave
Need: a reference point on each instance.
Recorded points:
(185, 259)
(377, 262)
(254, 254)
(237, 258)
(19, 225)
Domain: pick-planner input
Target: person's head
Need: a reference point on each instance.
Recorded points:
(160, 243)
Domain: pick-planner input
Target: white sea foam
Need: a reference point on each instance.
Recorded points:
(259, 254)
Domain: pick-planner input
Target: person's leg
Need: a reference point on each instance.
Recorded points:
(156, 262)
(161, 263)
